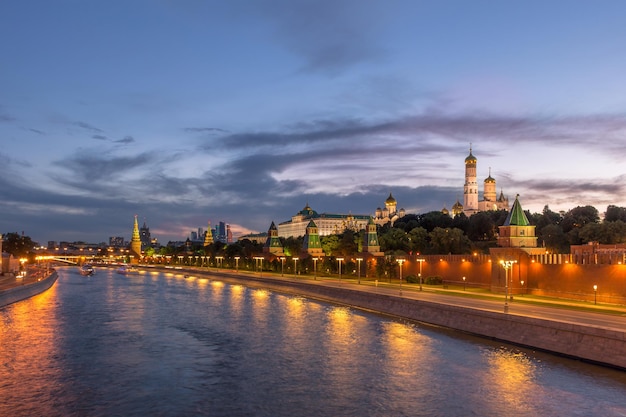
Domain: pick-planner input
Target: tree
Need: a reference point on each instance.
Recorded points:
(614, 213)
(482, 227)
(418, 240)
(330, 245)
(19, 246)
(348, 245)
(434, 219)
(394, 240)
(578, 217)
(449, 241)
(554, 239)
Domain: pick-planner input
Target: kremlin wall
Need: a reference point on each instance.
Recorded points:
(594, 273)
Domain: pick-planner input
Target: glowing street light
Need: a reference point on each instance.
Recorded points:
(315, 268)
(421, 261)
(295, 265)
(506, 265)
(218, 262)
(236, 263)
(595, 294)
(400, 262)
(358, 261)
(339, 260)
(282, 266)
(258, 260)
(463, 283)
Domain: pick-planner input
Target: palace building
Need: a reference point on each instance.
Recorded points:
(327, 224)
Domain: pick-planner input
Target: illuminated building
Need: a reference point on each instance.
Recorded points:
(389, 213)
(471, 204)
(327, 224)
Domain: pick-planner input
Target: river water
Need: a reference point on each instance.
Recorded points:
(164, 345)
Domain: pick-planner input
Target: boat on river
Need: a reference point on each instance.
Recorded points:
(127, 270)
(87, 270)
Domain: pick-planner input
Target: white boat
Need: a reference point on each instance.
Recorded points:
(87, 270)
(127, 269)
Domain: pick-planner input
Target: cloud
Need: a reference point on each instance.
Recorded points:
(331, 37)
(87, 126)
(126, 139)
(99, 137)
(204, 130)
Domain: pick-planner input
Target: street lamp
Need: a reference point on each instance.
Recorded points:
(506, 265)
(339, 263)
(282, 266)
(295, 265)
(463, 283)
(258, 260)
(421, 261)
(236, 263)
(595, 294)
(400, 262)
(315, 268)
(523, 289)
(218, 262)
(358, 261)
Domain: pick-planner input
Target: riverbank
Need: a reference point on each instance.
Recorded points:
(14, 289)
(592, 343)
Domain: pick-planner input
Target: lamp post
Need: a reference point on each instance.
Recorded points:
(218, 262)
(295, 265)
(282, 266)
(463, 283)
(523, 289)
(258, 260)
(421, 261)
(595, 294)
(236, 263)
(358, 261)
(339, 263)
(506, 265)
(400, 262)
(315, 268)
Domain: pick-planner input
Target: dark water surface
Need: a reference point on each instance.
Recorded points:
(164, 345)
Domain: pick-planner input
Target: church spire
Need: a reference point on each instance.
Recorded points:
(135, 241)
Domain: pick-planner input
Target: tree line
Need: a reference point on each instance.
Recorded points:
(429, 233)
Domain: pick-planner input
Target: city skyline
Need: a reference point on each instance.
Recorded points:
(245, 112)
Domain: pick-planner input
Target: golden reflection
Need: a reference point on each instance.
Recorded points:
(260, 298)
(237, 299)
(406, 350)
(511, 375)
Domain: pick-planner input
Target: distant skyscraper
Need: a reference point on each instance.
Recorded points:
(229, 234)
(221, 232)
(194, 236)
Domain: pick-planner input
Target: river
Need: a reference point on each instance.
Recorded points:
(161, 344)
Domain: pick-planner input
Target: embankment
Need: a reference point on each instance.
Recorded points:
(22, 292)
(593, 344)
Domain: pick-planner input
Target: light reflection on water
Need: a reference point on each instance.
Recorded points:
(170, 345)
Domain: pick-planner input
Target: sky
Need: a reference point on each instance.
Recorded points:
(185, 112)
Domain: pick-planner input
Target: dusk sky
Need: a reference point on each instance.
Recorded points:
(188, 111)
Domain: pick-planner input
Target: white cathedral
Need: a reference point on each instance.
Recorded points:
(471, 204)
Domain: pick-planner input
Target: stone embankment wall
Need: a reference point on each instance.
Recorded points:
(22, 292)
(593, 344)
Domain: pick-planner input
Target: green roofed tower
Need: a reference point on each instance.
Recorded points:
(273, 244)
(312, 246)
(517, 231)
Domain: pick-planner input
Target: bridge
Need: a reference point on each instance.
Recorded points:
(79, 259)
